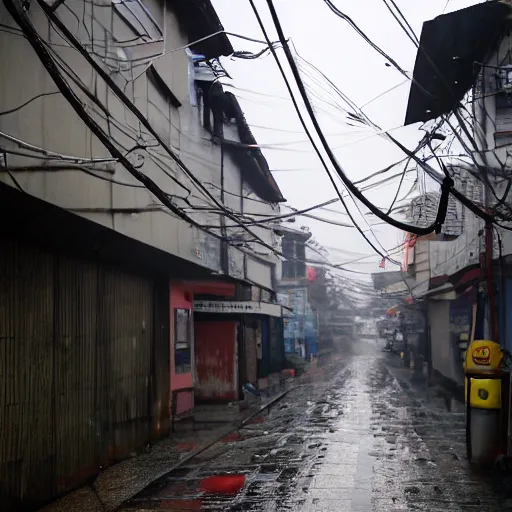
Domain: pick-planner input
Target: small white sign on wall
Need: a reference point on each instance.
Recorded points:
(239, 307)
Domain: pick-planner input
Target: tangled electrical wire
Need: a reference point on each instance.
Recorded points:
(211, 201)
(61, 73)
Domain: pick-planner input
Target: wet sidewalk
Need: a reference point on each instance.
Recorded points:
(359, 441)
(121, 481)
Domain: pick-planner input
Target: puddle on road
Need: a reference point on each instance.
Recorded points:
(275, 454)
(397, 454)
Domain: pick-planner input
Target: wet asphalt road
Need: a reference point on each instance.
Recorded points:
(364, 439)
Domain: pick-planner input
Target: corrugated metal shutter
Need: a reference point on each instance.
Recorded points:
(129, 304)
(161, 360)
(84, 369)
(74, 359)
(26, 374)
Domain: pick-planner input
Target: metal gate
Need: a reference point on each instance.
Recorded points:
(84, 377)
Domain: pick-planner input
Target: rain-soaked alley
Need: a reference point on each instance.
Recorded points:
(362, 439)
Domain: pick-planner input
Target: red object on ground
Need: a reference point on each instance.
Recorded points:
(234, 436)
(186, 447)
(223, 484)
(256, 421)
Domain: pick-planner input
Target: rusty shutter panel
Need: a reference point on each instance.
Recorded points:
(130, 350)
(26, 376)
(161, 359)
(77, 426)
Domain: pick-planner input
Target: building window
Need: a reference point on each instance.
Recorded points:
(161, 85)
(295, 253)
(182, 340)
(139, 19)
(504, 78)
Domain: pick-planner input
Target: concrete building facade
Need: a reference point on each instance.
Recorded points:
(125, 174)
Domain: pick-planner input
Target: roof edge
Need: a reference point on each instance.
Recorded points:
(199, 19)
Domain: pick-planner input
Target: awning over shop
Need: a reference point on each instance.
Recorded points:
(451, 48)
(443, 289)
(238, 307)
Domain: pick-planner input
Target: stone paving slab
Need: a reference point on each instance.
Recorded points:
(356, 440)
(360, 441)
(121, 481)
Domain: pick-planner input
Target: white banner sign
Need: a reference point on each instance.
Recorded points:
(240, 307)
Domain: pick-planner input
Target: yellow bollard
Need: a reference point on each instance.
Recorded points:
(482, 386)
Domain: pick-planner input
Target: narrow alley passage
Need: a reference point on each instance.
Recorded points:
(364, 439)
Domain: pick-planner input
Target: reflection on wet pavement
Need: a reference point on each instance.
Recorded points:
(359, 441)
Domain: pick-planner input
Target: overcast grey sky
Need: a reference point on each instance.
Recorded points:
(331, 44)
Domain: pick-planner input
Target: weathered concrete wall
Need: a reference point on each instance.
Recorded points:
(445, 354)
(492, 129)
(49, 122)
(447, 258)
(439, 319)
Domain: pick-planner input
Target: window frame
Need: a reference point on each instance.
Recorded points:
(292, 267)
(159, 83)
(182, 345)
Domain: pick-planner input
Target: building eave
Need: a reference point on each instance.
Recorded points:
(199, 19)
(447, 64)
(384, 279)
(282, 229)
(252, 161)
(256, 172)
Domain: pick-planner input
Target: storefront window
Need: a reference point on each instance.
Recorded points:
(182, 340)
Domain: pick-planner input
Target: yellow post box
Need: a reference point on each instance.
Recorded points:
(483, 391)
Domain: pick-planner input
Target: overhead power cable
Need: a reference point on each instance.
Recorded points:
(349, 20)
(445, 185)
(447, 182)
(49, 64)
(28, 102)
(360, 114)
(68, 167)
(125, 100)
(387, 91)
(54, 154)
(407, 27)
(304, 125)
(462, 122)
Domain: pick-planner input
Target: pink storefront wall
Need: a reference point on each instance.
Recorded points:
(180, 298)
